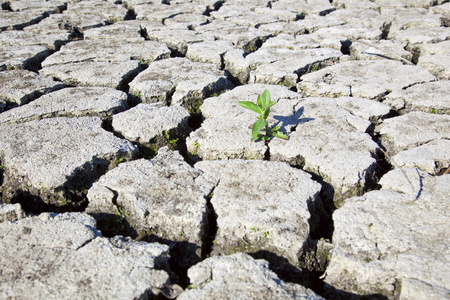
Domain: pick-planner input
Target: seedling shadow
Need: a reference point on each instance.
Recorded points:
(291, 121)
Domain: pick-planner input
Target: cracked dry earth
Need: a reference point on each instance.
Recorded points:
(127, 170)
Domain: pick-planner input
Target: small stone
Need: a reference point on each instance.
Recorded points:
(69, 102)
(412, 130)
(55, 159)
(365, 79)
(147, 121)
(385, 237)
(240, 276)
(18, 87)
(57, 252)
(244, 200)
(24, 57)
(11, 212)
(163, 196)
(105, 74)
(430, 97)
(183, 80)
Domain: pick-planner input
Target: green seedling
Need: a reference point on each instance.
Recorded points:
(120, 160)
(262, 107)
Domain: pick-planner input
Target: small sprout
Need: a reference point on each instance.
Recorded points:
(10, 68)
(251, 48)
(328, 257)
(254, 229)
(181, 232)
(265, 233)
(262, 107)
(138, 95)
(432, 110)
(120, 160)
(174, 141)
(370, 225)
(214, 241)
(388, 91)
(191, 287)
(379, 256)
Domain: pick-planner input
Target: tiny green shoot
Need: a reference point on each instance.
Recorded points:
(262, 107)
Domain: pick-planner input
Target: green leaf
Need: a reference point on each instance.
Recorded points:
(265, 99)
(256, 129)
(271, 103)
(250, 105)
(280, 135)
(275, 129)
(259, 101)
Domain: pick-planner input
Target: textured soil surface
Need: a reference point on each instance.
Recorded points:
(128, 170)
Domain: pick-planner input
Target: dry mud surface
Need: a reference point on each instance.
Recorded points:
(127, 169)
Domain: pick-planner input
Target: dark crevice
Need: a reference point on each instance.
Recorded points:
(284, 269)
(267, 153)
(327, 196)
(131, 15)
(127, 78)
(385, 30)
(415, 54)
(111, 225)
(211, 226)
(345, 47)
(33, 204)
(183, 255)
(330, 292)
(6, 6)
(326, 12)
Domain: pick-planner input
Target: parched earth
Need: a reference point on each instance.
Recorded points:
(127, 169)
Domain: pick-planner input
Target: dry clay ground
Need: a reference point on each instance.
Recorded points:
(127, 168)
